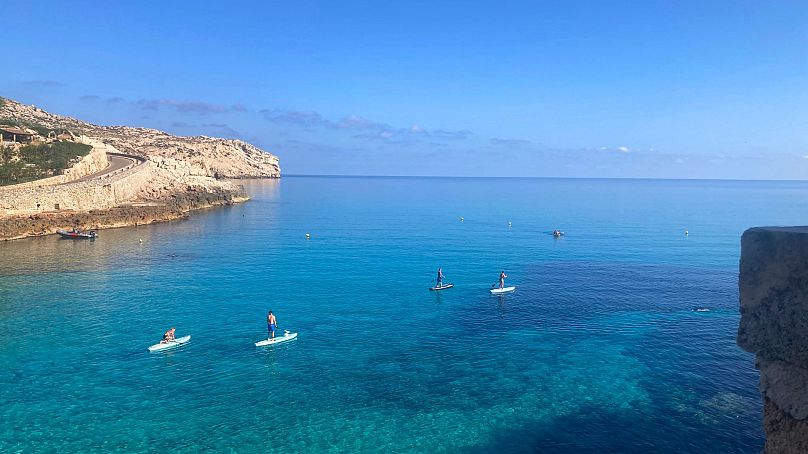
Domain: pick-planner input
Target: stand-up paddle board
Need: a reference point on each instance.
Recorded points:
(442, 287)
(497, 291)
(287, 336)
(171, 344)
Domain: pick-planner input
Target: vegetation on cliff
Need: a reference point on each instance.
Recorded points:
(32, 162)
(40, 129)
(213, 157)
(175, 174)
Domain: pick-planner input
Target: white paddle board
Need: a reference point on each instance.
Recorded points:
(442, 287)
(277, 340)
(497, 291)
(171, 344)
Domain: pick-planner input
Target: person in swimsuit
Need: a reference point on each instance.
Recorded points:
(271, 324)
(168, 336)
(502, 277)
(440, 278)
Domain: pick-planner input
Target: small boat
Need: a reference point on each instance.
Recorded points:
(77, 234)
(170, 344)
(287, 336)
(498, 291)
(441, 287)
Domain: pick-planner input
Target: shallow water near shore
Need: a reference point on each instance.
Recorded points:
(600, 349)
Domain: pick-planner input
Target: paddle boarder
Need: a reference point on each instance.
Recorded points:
(271, 324)
(440, 278)
(502, 277)
(168, 336)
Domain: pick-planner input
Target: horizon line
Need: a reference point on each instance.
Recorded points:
(329, 175)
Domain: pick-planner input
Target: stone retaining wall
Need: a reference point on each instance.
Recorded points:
(95, 161)
(99, 193)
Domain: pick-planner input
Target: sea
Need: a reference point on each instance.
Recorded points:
(619, 337)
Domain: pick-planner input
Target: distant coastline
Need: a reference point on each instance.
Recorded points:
(130, 176)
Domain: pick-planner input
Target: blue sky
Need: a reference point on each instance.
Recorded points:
(583, 89)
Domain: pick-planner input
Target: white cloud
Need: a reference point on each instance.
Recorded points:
(623, 149)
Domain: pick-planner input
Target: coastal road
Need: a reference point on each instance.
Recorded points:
(116, 162)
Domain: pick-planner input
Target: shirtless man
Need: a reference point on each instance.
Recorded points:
(502, 277)
(271, 324)
(168, 336)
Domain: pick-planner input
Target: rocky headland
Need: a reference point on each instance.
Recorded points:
(773, 283)
(131, 176)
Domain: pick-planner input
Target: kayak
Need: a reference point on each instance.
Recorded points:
(442, 287)
(165, 346)
(497, 291)
(277, 340)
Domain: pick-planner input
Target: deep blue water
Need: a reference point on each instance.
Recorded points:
(598, 350)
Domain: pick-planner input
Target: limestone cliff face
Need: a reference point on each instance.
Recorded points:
(220, 158)
(773, 285)
(131, 176)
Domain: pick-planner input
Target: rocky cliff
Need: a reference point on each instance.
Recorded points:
(220, 158)
(773, 285)
(132, 176)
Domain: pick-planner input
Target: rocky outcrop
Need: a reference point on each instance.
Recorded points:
(219, 158)
(173, 207)
(168, 176)
(773, 285)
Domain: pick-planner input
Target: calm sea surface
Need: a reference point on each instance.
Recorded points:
(600, 348)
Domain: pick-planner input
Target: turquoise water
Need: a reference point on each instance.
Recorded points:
(598, 350)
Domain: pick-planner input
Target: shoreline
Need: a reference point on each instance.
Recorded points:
(174, 207)
(168, 176)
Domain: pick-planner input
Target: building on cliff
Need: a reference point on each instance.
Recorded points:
(15, 134)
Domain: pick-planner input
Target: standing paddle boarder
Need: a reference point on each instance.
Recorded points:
(440, 278)
(502, 277)
(271, 324)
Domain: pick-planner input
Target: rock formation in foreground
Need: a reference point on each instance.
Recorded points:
(131, 176)
(773, 285)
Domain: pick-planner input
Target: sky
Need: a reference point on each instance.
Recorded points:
(652, 89)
